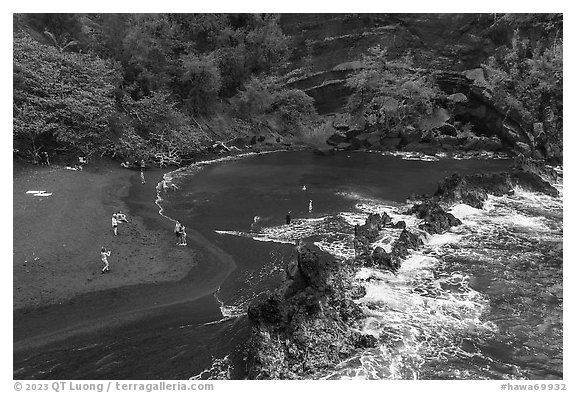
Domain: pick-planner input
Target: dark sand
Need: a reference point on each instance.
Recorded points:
(58, 288)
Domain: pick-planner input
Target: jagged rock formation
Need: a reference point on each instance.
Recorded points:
(304, 326)
(473, 190)
(436, 219)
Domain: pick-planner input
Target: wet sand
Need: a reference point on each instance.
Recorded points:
(62, 293)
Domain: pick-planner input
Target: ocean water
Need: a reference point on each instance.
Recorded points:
(482, 301)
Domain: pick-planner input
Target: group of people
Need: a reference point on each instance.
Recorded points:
(117, 218)
(76, 167)
(180, 232)
(166, 185)
(42, 158)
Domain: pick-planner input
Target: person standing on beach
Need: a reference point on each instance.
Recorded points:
(115, 224)
(178, 231)
(183, 236)
(142, 176)
(104, 254)
(310, 206)
(46, 159)
(288, 217)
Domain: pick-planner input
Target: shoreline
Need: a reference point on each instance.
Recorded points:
(182, 276)
(94, 310)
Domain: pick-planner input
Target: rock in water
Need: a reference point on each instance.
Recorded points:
(473, 190)
(406, 241)
(436, 219)
(383, 260)
(304, 326)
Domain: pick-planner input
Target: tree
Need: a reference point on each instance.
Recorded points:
(200, 83)
(392, 93)
(526, 78)
(61, 97)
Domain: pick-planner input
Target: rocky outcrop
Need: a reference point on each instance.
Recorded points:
(473, 190)
(436, 219)
(303, 327)
(406, 241)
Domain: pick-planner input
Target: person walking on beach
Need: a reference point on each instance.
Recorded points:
(288, 218)
(104, 254)
(115, 224)
(142, 179)
(178, 231)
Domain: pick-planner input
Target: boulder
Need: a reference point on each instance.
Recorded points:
(382, 259)
(362, 251)
(406, 241)
(400, 225)
(362, 340)
(436, 219)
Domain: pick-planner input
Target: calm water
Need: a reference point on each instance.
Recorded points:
(482, 301)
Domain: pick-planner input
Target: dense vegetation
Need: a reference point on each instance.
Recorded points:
(139, 85)
(526, 77)
(523, 79)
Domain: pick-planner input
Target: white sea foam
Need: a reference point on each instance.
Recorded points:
(463, 211)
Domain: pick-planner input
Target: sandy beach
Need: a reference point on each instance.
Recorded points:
(57, 239)
(59, 290)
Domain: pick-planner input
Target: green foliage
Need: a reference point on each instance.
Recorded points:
(391, 93)
(292, 109)
(201, 83)
(156, 126)
(64, 96)
(527, 79)
(163, 72)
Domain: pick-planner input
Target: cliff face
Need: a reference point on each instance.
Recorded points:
(328, 48)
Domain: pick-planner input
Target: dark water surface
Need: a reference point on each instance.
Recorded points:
(472, 282)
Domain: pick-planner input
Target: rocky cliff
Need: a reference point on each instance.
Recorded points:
(328, 48)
